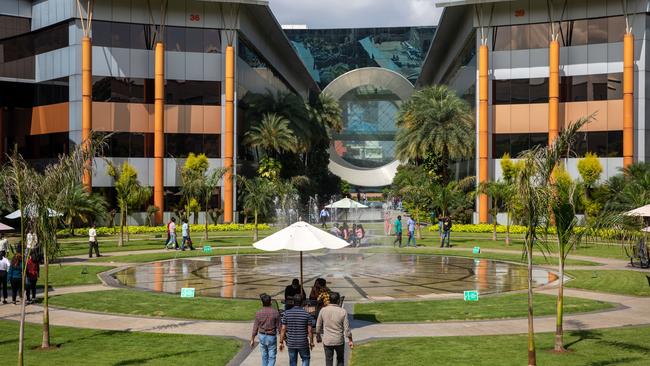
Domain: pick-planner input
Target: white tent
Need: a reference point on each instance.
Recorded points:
(4, 227)
(641, 211)
(300, 237)
(30, 213)
(346, 203)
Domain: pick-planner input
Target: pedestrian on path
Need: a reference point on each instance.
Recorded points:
(4, 269)
(324, 216)
(446, 232)
(334, 325)
(15, 276)
(32, 272)
(297, 333)
(398, 231)
(411, 236)
(4, 244)
(266, 327)
(185, 233)
(92, 242)
(171, 230)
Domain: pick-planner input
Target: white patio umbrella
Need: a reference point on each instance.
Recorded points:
(30, 213)
(346, 203)
(641, 211)
(300, 237)
(4, 227)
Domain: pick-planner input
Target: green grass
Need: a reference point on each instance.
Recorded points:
(75, 346)
(514, 257)
(74, 275)
(618, 282)
(134, 302)
(620, 347)
(174, 254)
(490, 307)
(109, 245)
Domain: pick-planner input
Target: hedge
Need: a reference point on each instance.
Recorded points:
(102, 231)
(518, 229)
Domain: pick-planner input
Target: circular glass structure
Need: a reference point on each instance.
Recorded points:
(356, 276)
(363, 153)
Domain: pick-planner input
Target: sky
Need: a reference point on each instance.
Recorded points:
(356, 13)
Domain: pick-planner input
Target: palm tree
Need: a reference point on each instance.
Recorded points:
(257, 197)
(327, 112)
(534, 190)
(435, 120)
(497, 192)
(210, 185)
(82, 206)
(130, 193)
(273, 135)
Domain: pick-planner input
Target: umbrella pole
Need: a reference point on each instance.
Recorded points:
(302, 288)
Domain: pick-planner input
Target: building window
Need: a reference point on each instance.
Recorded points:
(136, 90)
(180, 145)
(539, 90)
(175, 39)
(597, 31)
(520, 91)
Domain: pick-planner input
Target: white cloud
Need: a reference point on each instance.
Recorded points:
(356, 13)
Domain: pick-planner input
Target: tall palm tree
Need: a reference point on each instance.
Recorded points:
(497, 191)
(82, 206)
(327, 112)
(130, 193)
(257, 197)
(273, 135)
(435, 120)
(210, 185)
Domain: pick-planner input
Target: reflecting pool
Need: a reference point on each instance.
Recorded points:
(356, 276)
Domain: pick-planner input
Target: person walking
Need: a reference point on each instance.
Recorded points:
(398, 231)
(266, 327)
(92, 242)
(297, 333)
(171, 229)
(4, 269)
(446, 232)
(185, 233)
(32, 272)
(411, 235)
(15, 276)
(334, 325)
(4, 244)
(324, 216)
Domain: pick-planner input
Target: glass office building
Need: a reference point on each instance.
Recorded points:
(370, 71)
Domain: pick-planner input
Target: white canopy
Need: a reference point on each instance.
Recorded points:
(30, 213)
(300, 237)
(646, 229)
(4, 227)
(641, 211)
(346, 203)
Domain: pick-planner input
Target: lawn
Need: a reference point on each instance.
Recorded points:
(135, 302)
(489, 307)
(75, 346)
(109, 244)
(514, 257)
(174, 254)
(74, 275)
(619, 346)
(618, 282)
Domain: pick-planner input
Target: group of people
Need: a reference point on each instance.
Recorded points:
(172, 242)
(11, 272)
(352, 234)
(297, 327)
(444, 229)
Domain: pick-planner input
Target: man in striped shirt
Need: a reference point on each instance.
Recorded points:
(297, 333)
(267, 326)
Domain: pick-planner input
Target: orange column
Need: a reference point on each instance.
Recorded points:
(86, 105)
(229, 135)
(553, 91)
(159, 133)
(628, 99)
(483, 174)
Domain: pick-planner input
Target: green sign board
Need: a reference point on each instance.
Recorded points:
(187, 292)
(470, 295)
(207, 249)
(476, 250)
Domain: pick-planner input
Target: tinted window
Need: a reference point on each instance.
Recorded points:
(538, 139)
(539, 90)
(175, 39)
(502, 38)
(519, 143)
(500, 145)
(520, 91)
(540, 34)
(520, 35)
(574, 32)
(194, 40)
(212, 41)
(597, 29)
(501, 92)
(614, 86)
(579, 86)
(101, 33)
(598, 87)
(121, 35)
(580, 144)
(597, 143)
(141, 36)
(615, 143)
(615, 29)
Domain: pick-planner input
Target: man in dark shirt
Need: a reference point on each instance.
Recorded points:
(446, 232)
(297, 333)
(266, 326)
(290, 291)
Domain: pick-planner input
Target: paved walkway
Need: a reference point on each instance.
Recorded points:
(631, 311)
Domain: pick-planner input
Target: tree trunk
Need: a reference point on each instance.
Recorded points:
(417, 224)
(120, 242)
(46, 309)
(21, 334)
(508, 228)
(255, 235)
(559, 331)
(532, 359)
(205, 235)
(126, 222)
(494, 229)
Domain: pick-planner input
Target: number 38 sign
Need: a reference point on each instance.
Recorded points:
(195, 17)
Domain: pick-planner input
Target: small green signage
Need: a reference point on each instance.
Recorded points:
(187, 292)
(470, 295)
(207, 249)
(476, 250)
